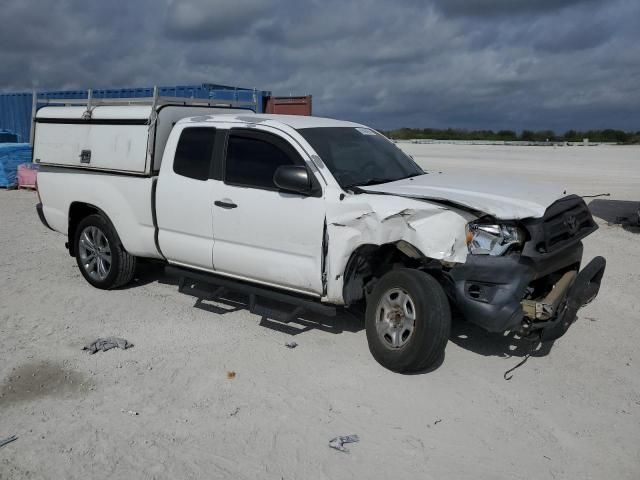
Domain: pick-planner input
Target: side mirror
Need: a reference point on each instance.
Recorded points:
(293, 178)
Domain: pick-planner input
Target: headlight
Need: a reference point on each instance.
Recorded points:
(488, 239)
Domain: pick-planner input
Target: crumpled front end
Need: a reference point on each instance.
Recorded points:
(539, 290)
(432, 231)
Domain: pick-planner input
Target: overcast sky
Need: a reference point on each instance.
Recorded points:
(517, 64)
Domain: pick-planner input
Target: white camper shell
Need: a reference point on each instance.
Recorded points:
(117, 138)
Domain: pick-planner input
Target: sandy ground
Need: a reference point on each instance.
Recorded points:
(572, 411)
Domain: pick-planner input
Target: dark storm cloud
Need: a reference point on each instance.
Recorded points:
(479, 64)
(206, 19)
(504, 7)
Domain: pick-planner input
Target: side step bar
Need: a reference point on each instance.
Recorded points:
(222, 285)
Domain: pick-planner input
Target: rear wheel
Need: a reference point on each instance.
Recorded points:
(408, 320)
(102, 259)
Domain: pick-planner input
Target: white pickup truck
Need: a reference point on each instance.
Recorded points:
(315, 213)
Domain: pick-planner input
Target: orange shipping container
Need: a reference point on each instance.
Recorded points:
(289, 105)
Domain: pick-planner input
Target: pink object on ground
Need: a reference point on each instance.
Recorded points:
(27, 173)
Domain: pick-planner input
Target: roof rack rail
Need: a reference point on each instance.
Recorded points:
(155, 101)
(94, 102)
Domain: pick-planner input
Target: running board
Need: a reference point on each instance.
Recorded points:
(222, 285)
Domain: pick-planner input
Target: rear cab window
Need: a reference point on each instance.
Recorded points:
(194, 152)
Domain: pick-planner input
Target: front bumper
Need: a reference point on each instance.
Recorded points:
(489, 291)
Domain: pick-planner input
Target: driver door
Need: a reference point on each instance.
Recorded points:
(260, 233)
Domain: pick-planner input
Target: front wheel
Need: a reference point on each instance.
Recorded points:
(408, 320)
(102, 259)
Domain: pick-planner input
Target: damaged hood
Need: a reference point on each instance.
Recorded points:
(502, 197)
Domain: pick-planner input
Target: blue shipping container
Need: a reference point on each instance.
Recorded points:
(15, 114)
(15, 108)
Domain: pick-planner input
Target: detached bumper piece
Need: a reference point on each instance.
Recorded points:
(583, 290)
(547, 307)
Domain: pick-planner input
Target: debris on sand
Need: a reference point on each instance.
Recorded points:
(235, 412)
(104, 344)
(231, 375)
(129, 412)
(338, 442)
(8, 440)
(291, 344)
(437, 421)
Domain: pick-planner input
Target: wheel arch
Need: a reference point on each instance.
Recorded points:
(368, 262)
(77, 212)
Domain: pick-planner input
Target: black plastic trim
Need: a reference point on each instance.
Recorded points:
(505, 280)
(219, 151)
(92, 121)
(42, 217)
(154, 217)
(51, 167)
(540, 244)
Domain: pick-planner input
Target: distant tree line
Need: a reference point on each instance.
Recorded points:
(608, 135)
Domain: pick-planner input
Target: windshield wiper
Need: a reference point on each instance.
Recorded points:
(369, 182)
(412, 175)
(377, 181)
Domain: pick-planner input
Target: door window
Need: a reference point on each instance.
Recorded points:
(194, 152)
(253, 157)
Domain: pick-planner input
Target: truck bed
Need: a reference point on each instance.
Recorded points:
(125, 199)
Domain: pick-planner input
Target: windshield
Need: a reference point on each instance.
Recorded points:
(360, 156)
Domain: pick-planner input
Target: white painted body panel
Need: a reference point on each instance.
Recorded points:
(120, 148)
(126, 200)
(271, 236)
(503, 197)
(184, 214)
(435, 231)
(113, 147)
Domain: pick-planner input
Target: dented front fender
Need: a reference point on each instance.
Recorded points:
(438, 232)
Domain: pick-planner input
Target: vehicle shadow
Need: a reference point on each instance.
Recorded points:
(618, 212)
(473, 338)
(149, 271)
(276, 315)
(342, 322)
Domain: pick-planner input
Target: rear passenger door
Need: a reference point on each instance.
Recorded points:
(261, 233)
(184, 198)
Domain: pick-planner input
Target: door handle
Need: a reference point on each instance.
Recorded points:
(227, 205)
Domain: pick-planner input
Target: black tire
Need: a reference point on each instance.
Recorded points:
(122, 265)
(425, 344)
